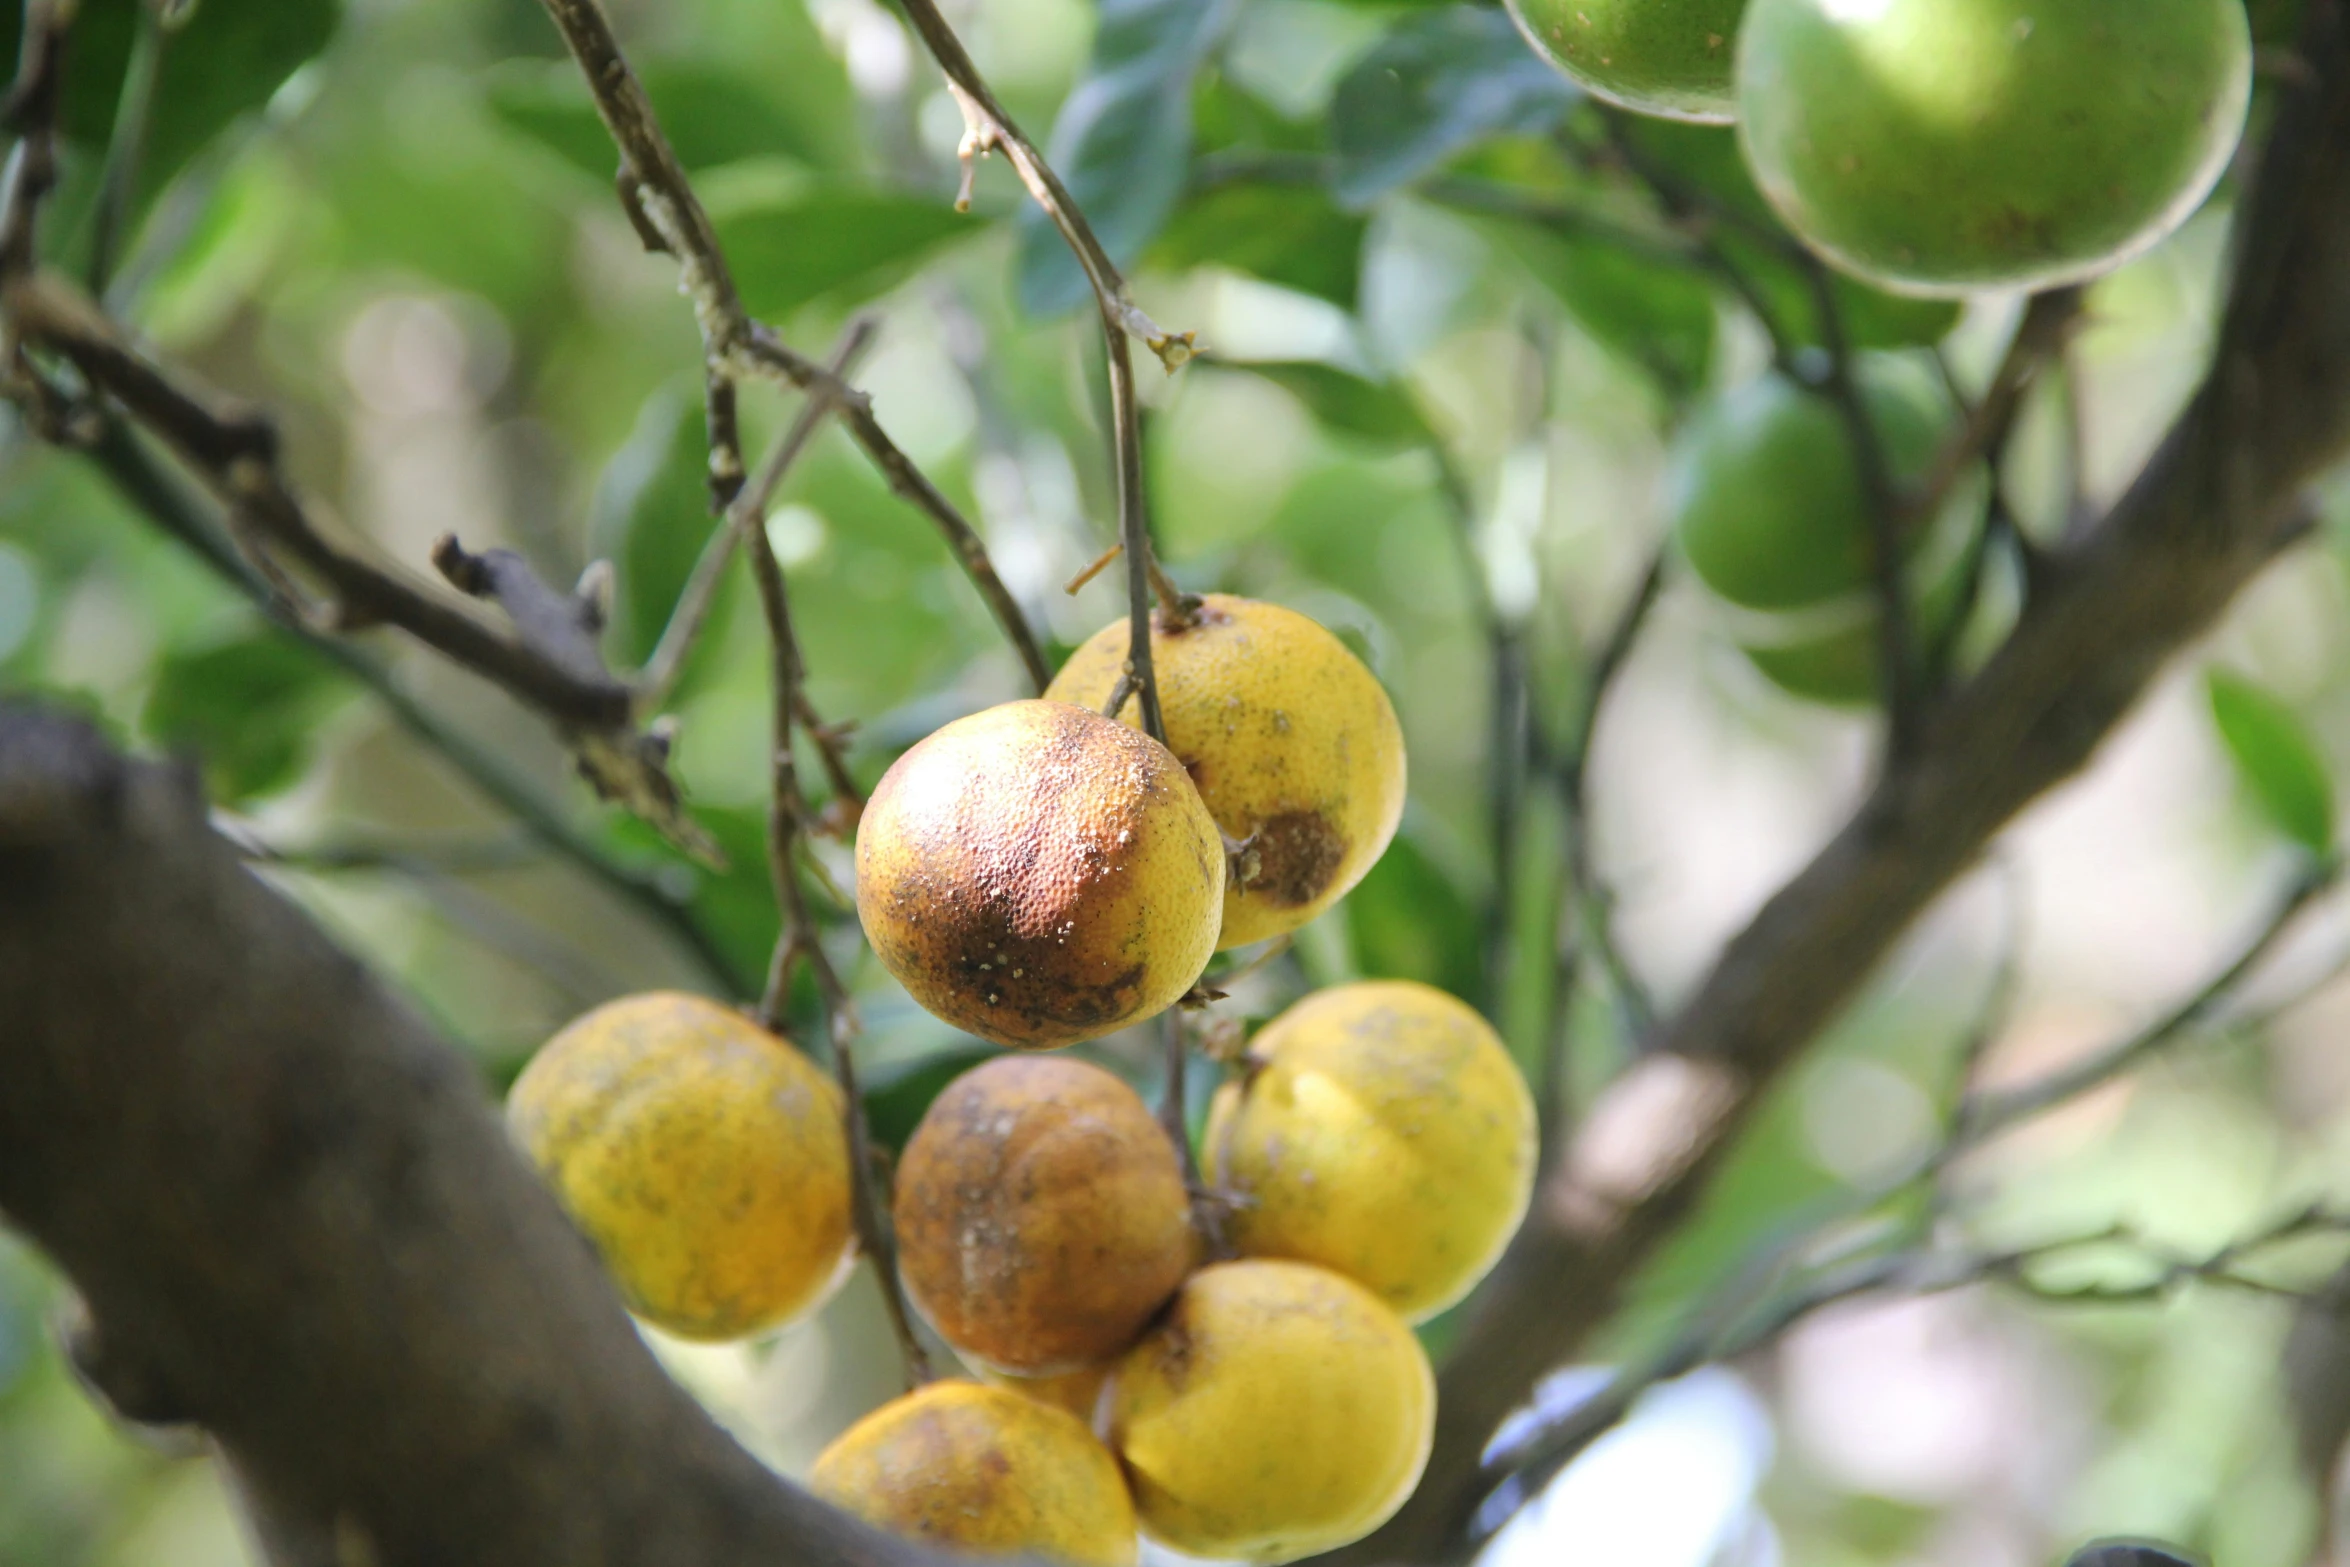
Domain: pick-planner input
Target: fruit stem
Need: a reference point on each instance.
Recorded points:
(873, 1234)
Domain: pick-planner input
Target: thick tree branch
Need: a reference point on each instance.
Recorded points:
(296, 1222)
(2213, 507)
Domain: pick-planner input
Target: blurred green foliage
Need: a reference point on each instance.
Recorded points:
(1402, 240)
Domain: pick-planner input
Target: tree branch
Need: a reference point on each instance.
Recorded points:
(668, 215)
(296, 1223)
(2215, 504)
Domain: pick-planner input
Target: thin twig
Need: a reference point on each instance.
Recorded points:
(173, 509)
(1992, 1111)
(1882, 496)
(660, 200)
(799, 940)
(126, 148)
(658, 679)
(1730, 1324)
(987, 128)
(1595, 902)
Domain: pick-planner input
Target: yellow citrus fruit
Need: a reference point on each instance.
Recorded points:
(1380, 1129)
(984, 1470)
(1037, 875)
(704, 1158)
(1277, 1411)
(1292, 742)
(1041, 1215)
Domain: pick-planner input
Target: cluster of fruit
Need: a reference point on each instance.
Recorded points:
(1939, 147)
(1038, 875)
(1931, 147)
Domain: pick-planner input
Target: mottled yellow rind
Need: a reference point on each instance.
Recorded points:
(1041, 1215)
(1277, 1411)
(1037, 875)
(984, 1470)
(704, 1158)
(1380, 1129)
(1291, 741)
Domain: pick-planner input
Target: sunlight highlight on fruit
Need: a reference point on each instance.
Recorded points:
(1947, 147)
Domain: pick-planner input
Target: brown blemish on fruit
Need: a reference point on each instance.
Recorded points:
(1297, 852)
(1032, 886)
(1041, 1215)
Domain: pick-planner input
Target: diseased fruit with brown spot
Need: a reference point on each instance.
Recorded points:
(1276, 1411)
(983, 1470)
(1380, 1129)
(1038, 875)
(1041, 1215)
(1293, 744)
(705, 1158)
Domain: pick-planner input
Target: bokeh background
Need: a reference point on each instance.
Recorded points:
(395, 226)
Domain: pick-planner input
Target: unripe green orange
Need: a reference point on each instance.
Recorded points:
(1766, 495)
(1276, 1411)
(1036, 875)
(1294, 747)
(1664, 57)
(1382, 1130)
(704, 1157)
(982, 1470)
(1041, 1215)
(1945, 147)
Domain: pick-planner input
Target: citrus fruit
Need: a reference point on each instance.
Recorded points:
(1276, 1411)
(1294, 747)
(1951, 146)
(704, 1158)
(1766, 497)
(1665, 57)
(1036, 875)
(1041, 1215)
(1382, 1130)
(983, 1470)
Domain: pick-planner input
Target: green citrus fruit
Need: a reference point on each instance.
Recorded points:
(1665, 57)
(1830, 654)
(1766, 496)
(1950, 146)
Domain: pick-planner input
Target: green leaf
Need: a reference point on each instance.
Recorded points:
(245, 707)
(1652, 316)
(1122, 141)
(1293, 235)
(651, 520)
(712, 113)
(2277, 758)
(840, 244)
(1437, 84)
(1408, 919)
(1347, 404)
(228, 59)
